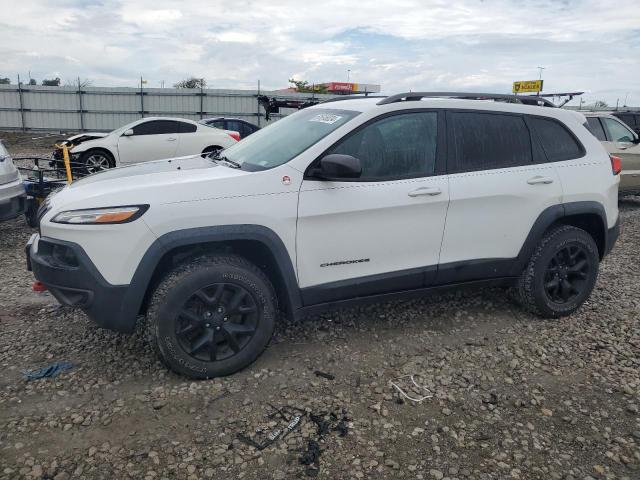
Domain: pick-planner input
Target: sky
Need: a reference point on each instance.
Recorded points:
(431, 45)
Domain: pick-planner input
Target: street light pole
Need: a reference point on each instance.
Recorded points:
(540, 78)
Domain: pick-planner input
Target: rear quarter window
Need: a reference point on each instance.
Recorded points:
(557, 141)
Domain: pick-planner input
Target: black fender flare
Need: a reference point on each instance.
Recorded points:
(552, 215)
(135, 294)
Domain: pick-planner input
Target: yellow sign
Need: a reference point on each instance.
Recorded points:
(527, 86)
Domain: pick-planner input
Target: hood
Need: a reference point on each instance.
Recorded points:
(83, 137)
(159, 181)
(193, 162)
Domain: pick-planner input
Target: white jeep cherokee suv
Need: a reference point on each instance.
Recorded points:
(342, 202)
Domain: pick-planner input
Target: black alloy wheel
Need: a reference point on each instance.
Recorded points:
(211, 315)
(560, 274)
(567, 274)
(217, 322)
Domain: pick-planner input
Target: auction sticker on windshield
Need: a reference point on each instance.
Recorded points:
(325, 118)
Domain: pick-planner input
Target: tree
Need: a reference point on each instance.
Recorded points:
(600, 104)
(5, 81)
(78, 83)
(32, 81)
(303, 86)
(191, 82)
(51, 82)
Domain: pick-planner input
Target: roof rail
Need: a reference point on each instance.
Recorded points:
(351, 97)
(413, 96)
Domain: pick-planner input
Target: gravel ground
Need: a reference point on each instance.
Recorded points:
(509, 395)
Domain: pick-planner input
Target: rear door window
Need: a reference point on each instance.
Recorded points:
(485, 141)
(187, 127)
(558, 143)
(157, 127)
(595, 127)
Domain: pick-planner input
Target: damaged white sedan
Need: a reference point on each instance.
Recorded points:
(151, 138)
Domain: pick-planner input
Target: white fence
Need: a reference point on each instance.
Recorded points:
(35, 107)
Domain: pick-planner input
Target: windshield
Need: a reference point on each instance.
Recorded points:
(287, 138)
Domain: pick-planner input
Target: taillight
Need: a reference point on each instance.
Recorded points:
(234, 135)
(616, 164)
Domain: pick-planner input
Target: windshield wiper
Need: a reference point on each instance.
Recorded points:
(233, 163)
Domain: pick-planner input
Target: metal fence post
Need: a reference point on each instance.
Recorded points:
(201, 101)
(24, 127)
(141, 99)
(80, 105)
(258, 103)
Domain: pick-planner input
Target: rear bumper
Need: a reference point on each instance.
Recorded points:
(12, 207)
(72, 278)
(612, 237)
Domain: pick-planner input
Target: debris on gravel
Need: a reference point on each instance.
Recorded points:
(510, 396)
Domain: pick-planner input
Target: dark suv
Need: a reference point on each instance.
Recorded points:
(630, 118)
(243, 127)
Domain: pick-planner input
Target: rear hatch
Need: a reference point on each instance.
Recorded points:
(8, 171)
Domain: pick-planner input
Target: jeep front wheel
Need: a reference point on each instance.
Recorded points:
(211, 316)
(561, 273)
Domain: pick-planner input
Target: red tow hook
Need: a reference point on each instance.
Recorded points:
(39, 287)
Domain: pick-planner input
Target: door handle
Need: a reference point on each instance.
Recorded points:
(431, 191)
(537, 180)
(172, 139)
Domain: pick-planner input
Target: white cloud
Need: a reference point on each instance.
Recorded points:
(402, 44)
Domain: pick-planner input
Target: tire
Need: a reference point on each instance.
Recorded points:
(561, 273)
(96, 161)
(210, 150)
(211, 316)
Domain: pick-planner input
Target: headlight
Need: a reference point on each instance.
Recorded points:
(107, 215)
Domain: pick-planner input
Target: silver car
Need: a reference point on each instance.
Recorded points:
(621, 141)
(12, 193)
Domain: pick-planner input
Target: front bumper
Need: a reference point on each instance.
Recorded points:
(72, 278)
(12, 207)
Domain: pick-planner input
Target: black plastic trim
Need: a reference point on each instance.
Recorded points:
(198, 236)
(82, 286)
(13, 207)
(406, 294)
(370, 285)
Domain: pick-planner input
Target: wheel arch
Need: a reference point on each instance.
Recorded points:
(257, 243)
(588, 215)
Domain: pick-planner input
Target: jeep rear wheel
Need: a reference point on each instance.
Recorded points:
(561, 273)
(211, 316)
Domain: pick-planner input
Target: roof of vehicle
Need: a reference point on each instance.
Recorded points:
(498, 102)
(597, 114)
(178, 119)
(210, 119)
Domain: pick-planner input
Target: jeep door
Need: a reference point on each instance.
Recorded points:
(151, 140)
(621, 142)
(499, 183)
(382, 231)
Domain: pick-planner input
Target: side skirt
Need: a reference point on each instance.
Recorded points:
(407, 294)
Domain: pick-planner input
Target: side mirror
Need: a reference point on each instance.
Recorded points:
(128, 133)
(337, 167)
(636, 140)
